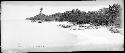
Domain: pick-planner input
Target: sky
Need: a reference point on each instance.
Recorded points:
(63, 3)
(50, 7)
(25, 9)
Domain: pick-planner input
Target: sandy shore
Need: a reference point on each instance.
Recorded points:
(35, 35)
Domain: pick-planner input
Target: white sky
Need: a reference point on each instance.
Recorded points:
(64, 3)
(23, 9)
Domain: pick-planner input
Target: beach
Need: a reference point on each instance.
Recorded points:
(36, 35)
(19, 34)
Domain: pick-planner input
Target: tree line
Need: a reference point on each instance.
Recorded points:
(104, 17)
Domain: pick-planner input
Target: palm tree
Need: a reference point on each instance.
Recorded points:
(41, 10)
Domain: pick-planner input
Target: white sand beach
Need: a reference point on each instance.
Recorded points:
(33, 35)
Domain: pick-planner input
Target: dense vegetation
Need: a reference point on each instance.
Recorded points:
(104, 17)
